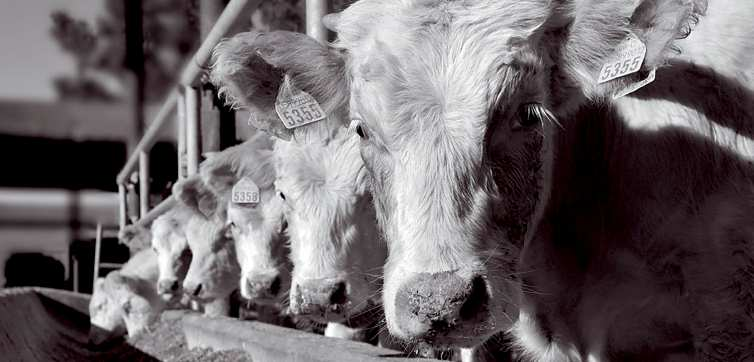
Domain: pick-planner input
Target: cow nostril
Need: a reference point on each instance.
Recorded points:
(338, 295)
(275, 286)
(174, 286)
(477, 299)
(197, 290)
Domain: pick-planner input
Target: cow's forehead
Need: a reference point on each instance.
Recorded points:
(428, 64)
(404, 23)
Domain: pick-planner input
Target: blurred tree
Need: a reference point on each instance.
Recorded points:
(170, 35)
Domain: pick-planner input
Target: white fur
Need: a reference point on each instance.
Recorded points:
(170, 244)
(256, 229)
(125, 301)
(331, 224)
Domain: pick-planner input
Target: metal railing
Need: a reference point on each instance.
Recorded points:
(185, 99)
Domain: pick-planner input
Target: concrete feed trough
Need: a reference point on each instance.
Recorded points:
(40, 324)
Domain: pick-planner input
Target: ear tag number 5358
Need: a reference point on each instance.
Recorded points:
(245, 191)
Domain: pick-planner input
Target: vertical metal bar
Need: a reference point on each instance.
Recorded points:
(181, 120)
(143, 183)
(97, 249)
(192, 130)
(315, 10)
(122, 206)
(75, 277)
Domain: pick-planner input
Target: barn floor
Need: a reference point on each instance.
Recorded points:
(40, 324)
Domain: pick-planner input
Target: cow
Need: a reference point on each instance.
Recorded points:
(257, 228)
(168, 240)
(126, 300)
(500, 167)
(214, 272)
(336, 248)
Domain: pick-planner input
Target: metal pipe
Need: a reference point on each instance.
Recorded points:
(192, 130)
(143, 183)
(123, 213)
(158, 210)
(315, 10)
(225, 22)
(181, 126)
(150, 137)
(75, 272)
(97, 249)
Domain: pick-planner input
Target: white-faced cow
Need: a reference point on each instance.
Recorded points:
(214, 271)
(257, 225)
(126, 300)
(173, 253)
(336, 248)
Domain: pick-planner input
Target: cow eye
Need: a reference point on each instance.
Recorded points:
(282, 195)
(529, 115)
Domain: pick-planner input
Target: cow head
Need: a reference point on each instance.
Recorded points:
(455, 104)
(335, 247)
(257, 228)
(214, 270)
(173, 253)
(120, 304)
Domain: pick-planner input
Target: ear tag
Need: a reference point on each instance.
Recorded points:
(295, 107)
(633, 87)
(626, 59)
(245, 191)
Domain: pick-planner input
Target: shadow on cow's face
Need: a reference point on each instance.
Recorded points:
(455, 105)
(260, 245)
(336, 250)
(458, 152)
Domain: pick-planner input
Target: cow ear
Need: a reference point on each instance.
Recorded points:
(193, 193)
(99, 283)
(136, 237)
(596, 29)
(220, 177)
(251, 68)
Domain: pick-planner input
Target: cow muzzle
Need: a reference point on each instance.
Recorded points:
(320, 300)
(444, 309)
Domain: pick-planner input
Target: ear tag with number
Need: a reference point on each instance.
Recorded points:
(633, 87)
(295, 107)
(245, 191)
(627, 59)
